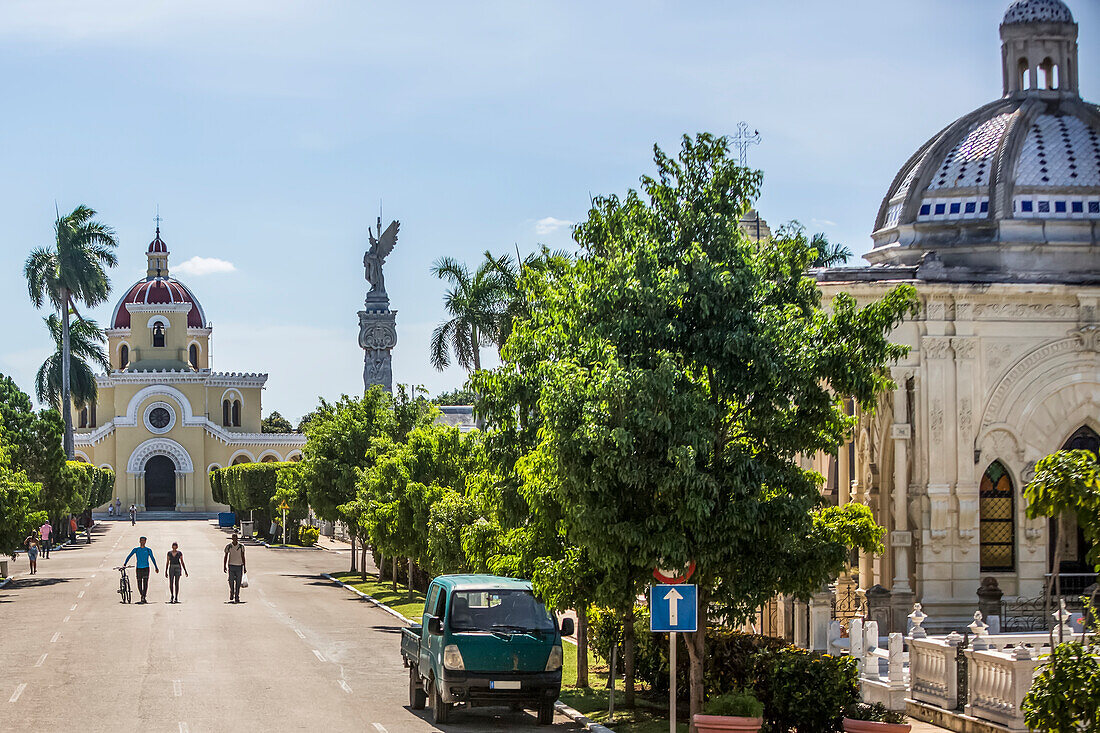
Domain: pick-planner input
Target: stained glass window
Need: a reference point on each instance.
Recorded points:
(998, 521)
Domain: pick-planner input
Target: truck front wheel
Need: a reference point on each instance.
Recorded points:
(417, 698)
(441, 711)
(546, 713)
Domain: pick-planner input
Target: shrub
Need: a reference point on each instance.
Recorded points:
(605, 627)
(307, 536)
(804, 691)
(217, 487)
(1065, 695)
(741, 704)
(875, 713)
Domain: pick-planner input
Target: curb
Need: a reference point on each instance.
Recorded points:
(578, 717)
(371, 599)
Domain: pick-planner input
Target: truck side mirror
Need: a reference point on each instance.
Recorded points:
(567, 627)
(435, 625)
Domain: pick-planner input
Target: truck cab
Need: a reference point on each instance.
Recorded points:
(484, 640)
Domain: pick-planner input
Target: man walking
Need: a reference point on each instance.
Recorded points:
(233, 564)
(133, 515)
(45, 531)
(144, 556)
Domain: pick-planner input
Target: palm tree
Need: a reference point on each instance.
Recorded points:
(70, 273)
(828, 254)
(85, 351)
(509, 301)
(471, 303)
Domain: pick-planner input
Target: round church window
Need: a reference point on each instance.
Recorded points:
(159, 418)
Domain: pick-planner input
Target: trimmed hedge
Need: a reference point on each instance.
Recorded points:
(90, 486)
(307, 536)
(248, 486)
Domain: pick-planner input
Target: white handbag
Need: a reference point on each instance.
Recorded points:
(244, 580)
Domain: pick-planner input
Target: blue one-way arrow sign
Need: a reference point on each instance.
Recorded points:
(674, 608)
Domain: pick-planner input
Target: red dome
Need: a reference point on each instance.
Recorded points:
(160, 290)
(157, 245)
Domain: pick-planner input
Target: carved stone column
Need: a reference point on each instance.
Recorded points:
(377, 337)
(939, 391)
(966, 487)
(901, 539)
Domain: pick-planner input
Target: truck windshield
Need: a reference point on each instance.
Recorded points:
(500, 611)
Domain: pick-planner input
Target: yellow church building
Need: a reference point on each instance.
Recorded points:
(163, 420)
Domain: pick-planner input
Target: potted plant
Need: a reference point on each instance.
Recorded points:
(865, 718)
(734, 711)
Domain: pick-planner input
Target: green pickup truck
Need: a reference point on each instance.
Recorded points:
(484, 640)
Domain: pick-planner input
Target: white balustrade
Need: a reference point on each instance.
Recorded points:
(934, 672)
(998, 681)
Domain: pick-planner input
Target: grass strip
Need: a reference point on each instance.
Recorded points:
(409, 603)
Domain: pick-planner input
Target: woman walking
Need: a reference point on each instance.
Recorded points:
(172, 570)
(32, 553)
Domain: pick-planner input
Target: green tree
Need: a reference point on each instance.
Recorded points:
(69, 273)
(471, 303)
(457, 396)
(276, 423)
(508, 298)
(19, 513)
(35, 447)
(683, 369)
(85, 352)
(1067, 483)
(338, 446)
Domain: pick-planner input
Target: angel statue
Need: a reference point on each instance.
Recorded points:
(375, 257)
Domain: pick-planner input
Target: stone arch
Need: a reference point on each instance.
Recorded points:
(294, 455)
(81, 456)
(269, 454)
(157, 390)
(160, 447)
(242, 453)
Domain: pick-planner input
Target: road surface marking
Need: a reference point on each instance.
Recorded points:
(184, 728)
(380, 728)
(66, 619)
(171, 634)
(177, 688)
(261, 590)
(41, 659)
(56, 636)
(319, 656)
(299, 633)
(89, 582)
(18, 691)
(93, 575)
(80, 594)
(270, 603)
(73, 608)
(344, 686)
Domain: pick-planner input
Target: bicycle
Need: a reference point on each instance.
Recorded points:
(124, 584)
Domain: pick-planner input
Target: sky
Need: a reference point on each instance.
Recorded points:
(269, 133)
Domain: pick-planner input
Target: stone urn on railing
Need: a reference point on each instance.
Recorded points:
(739, 712)
(865, 718)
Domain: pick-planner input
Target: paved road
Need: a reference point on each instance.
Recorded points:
(300, 654)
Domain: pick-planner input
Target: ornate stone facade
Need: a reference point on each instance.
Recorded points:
(1004, 366)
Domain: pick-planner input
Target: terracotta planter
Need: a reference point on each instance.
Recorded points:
(867, 726)
(720, 723)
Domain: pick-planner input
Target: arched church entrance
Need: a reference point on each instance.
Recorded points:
(1074, 568)
(160, 484)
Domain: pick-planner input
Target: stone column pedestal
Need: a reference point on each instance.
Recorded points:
(377, 337)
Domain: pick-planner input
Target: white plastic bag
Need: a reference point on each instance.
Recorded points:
(244, 580)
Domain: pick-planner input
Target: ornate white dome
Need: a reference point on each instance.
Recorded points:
(1037, 11)
(1013, 187)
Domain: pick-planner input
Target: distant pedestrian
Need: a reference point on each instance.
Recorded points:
(234, 564)
(133, 515)
(44, 532)
(173, 566)
(110, 509)
(144, 556)
(118, 507)
(32, 553)
(73, 529)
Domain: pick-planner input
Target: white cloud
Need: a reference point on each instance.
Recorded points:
(823, 223)
(197, 266)
(549, 225)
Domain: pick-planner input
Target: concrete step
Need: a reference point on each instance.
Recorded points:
(156, 516)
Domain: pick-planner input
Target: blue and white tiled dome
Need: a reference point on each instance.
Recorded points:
(1015, 174)
(1038, 11)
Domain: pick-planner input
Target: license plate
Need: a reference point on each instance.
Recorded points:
(504, 685)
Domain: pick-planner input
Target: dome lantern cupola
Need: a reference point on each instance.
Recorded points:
(158, 258)
(1039, 48)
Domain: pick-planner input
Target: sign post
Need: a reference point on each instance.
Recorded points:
(284, 507)
(672, 609)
